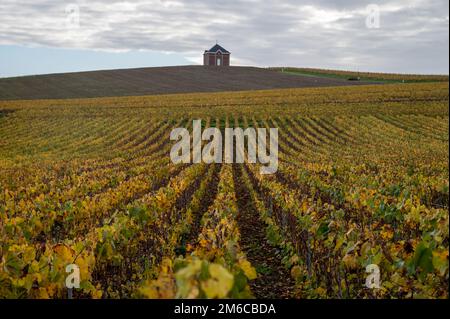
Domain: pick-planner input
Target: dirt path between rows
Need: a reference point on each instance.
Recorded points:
(192, 237)
(274, 280)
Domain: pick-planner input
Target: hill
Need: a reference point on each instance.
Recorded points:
(150, 81)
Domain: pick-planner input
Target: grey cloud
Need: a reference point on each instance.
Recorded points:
(322, 33)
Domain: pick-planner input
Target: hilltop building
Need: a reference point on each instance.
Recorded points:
(216, 56)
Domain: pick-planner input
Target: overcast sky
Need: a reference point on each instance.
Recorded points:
(44, 36)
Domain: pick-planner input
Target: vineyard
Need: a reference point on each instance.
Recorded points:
(362, 179)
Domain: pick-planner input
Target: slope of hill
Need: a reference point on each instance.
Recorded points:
(148, 81)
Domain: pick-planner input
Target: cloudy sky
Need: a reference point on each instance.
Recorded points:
(45, 36)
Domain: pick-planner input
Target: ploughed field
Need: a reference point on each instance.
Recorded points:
(362, 180)
(151, 81)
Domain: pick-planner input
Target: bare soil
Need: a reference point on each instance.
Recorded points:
(152, 81)
(274, 281)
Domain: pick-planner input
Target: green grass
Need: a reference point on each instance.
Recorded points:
(364, 76)
(337, 76)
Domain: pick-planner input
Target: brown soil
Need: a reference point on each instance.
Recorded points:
(151, 81)
(274, 280)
